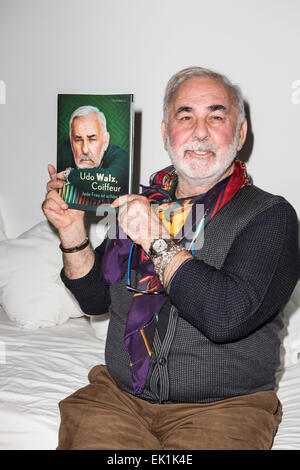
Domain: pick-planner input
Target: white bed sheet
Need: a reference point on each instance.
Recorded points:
(288, 435)
(39, 368)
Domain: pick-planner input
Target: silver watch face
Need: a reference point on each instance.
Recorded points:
(159, 246)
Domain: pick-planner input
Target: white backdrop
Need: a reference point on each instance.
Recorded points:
(133, 46)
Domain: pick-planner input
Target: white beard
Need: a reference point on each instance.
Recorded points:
(199, 170)
(88, 157)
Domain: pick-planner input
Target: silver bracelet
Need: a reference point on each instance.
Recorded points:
(161, 262)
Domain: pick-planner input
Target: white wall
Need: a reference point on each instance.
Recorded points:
(121, 46)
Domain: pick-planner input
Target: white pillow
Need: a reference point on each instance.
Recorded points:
(290, 351)
(31, 291)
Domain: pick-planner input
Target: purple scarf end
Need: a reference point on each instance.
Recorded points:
(139, 373)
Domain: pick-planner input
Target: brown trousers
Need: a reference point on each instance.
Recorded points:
(101, 416)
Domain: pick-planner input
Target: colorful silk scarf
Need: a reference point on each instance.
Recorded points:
(144, 308)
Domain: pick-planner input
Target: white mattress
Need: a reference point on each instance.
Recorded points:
(39, 368)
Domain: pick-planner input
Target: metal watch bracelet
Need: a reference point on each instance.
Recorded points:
(160, 262)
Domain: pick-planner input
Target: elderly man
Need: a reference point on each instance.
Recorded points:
(89, 140)
(192, 346)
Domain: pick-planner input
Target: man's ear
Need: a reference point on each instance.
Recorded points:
(164, 133)
(243, 134)
(107, 137)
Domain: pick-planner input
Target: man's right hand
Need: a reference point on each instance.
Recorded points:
(69, 222)
(70, 226)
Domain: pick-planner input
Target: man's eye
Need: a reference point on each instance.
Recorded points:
(185, 118)
(217, 118)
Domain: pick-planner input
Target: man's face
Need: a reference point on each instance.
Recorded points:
(87, 141)
(201, 135)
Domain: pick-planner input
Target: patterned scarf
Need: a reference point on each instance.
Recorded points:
(144, 308)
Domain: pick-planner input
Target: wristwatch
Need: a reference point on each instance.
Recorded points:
(161, 252)
(158, 247)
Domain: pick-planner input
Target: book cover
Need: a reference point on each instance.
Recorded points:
(94, 148)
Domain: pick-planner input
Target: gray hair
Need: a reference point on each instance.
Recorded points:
(192, 72)
(86, 111)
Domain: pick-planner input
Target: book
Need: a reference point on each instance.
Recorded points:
(94, 148)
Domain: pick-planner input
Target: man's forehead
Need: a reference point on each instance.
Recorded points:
(202, 90)
(90, 120)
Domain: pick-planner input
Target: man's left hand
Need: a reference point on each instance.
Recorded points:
(139, 221)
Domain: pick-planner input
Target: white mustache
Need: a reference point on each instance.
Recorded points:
(85, 157)
(199, 147)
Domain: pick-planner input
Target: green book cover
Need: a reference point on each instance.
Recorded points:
(94, 148)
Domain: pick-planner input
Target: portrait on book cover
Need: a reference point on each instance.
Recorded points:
(94, 148)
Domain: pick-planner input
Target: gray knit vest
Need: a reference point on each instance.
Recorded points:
(185, 365)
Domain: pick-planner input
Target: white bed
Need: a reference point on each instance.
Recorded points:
(41, 367)
(47, 346)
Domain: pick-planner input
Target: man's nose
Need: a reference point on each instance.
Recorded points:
(85, 147)
(200, 129)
